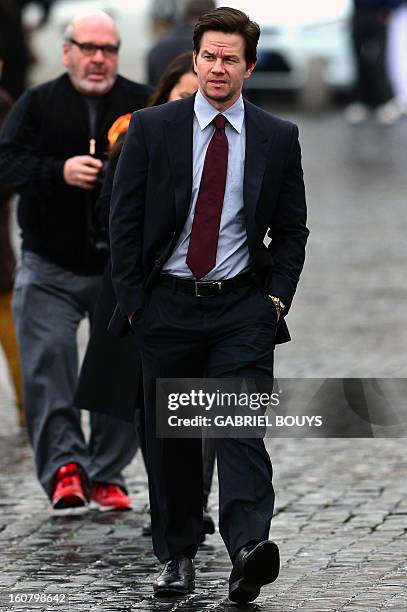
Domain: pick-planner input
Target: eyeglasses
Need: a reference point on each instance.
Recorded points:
(88, 48)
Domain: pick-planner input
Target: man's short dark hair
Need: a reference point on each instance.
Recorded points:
(229, 21)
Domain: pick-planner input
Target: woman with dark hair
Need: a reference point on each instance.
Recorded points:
(177, 82)
(104, 379)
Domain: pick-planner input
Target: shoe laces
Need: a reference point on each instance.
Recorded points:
(172, 565)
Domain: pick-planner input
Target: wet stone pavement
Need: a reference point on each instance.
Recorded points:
(341, 504)
(340, 522)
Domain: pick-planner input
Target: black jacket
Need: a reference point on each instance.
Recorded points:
(48, 125)
(152, 193)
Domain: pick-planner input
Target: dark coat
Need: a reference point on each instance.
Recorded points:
(110, 380)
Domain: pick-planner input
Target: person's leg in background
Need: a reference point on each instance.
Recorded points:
(373, 90)
(47, 311)
(112, 446)
(113, 443)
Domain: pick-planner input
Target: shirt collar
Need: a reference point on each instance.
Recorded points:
(206, 113)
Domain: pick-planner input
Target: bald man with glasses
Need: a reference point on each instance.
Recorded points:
(51, 153)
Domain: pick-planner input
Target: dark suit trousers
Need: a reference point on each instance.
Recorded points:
(182, 336)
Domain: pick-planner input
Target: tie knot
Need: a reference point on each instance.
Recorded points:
(220, 122)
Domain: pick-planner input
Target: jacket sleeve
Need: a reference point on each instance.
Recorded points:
(127, 218)
(22, 168)
(288, 230)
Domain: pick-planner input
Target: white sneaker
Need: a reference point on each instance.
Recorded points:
(388, 113)
(356, 113)
(402, 104)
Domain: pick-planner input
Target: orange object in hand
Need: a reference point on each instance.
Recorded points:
(119, 126)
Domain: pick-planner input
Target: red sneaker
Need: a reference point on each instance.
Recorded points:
(110, 496)
(68, 490)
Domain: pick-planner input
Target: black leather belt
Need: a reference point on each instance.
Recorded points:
(205, 288)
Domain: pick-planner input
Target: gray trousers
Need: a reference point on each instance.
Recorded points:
(49, 303)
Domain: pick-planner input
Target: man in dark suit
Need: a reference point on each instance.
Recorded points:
(200, 184)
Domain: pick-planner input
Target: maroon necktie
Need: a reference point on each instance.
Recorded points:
(203, 243)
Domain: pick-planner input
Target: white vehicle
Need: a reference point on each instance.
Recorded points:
(304, 45)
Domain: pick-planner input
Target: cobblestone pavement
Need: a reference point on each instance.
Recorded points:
(341, 513)
(340, 522)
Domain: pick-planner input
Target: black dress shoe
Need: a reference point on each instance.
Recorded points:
(176, 578)
(254, 566)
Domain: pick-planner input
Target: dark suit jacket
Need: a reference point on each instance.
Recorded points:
(152, 194)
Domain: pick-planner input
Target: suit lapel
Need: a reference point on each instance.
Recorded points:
(258, 145)
(179, 132)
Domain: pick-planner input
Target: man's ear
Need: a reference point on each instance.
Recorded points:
(250, 67)
(194, 61)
